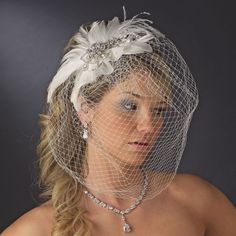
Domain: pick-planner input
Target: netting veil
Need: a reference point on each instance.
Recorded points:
(120, 106)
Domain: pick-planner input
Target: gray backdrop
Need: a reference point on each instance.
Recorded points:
(32, 35)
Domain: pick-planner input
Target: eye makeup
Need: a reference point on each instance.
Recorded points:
(130, 105)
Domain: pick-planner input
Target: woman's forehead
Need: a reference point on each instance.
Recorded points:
(142, 85)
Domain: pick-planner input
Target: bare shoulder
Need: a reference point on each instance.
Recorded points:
(197, 189)
(193, 186)
(209, 202)
(37, 222)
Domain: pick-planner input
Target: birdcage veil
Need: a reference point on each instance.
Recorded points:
(120, 106)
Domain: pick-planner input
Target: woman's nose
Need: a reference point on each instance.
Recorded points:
(145, 122)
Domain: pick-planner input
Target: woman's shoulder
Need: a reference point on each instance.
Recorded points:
(207, 201)
(186, 183)
(195, 190)
(37, 222)
(191, 191)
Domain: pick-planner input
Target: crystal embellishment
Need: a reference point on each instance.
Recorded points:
(98, 49)
(126, 228)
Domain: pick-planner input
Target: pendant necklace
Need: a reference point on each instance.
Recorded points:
(126, 227)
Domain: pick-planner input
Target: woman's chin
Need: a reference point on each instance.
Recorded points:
(133, 160)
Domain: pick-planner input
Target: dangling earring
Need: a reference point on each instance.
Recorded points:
(85, 132)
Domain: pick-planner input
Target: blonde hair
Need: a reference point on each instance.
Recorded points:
(63, 191)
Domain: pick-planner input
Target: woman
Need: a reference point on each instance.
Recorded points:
(119, 110)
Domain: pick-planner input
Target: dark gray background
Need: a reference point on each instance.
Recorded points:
(32, 35)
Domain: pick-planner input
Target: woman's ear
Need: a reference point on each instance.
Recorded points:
(85, 113)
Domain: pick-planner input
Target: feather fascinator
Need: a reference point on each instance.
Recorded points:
(97, 47)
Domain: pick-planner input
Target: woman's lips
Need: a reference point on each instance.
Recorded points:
(139, 142)
(139, 145)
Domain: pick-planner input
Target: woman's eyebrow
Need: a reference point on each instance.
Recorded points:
(134, 94)
(139, 96)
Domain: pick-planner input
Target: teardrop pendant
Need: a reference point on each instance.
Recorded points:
(126, 228)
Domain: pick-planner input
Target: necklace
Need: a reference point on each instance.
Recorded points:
(126, 227)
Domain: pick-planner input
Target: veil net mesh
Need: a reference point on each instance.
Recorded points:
(137, 122)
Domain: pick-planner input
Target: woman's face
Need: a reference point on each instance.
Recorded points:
(128, 120)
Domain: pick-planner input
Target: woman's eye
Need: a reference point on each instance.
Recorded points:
(132, 106)
(128, 105)
(159, 110)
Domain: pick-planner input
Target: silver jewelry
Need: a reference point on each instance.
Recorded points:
(98, 49)
(126, 227)
(85, 132)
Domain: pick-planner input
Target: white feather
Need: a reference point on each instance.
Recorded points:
(112, 27)
(82, 78)
(137, 47)
(62, 75)
(97, 33)
(76, 59)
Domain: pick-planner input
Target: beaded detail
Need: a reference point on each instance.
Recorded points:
(126, 227)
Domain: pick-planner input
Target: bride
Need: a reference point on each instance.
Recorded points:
(119, 108)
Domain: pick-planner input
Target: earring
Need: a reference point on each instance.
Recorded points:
(85, 132)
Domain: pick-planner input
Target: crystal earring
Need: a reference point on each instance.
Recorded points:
(85, 132)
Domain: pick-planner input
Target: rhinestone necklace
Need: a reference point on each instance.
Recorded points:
(126, 227)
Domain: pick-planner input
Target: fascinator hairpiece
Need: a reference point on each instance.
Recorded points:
(97, 47)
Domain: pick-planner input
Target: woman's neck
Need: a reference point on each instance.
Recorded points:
(112, 181)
